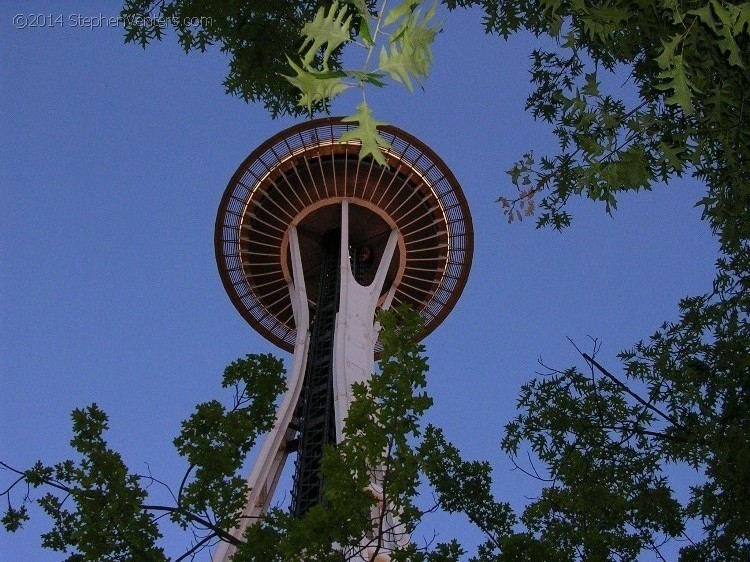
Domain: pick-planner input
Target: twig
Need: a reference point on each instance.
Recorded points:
(625, 388)
(196, 519)
(198, 546)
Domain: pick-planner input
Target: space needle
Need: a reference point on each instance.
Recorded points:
(311, 241)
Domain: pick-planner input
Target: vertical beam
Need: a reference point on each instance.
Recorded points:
(354, 361)
(267, 468)
(316, 410)
(356, 333)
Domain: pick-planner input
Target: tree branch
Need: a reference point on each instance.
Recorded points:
(200, 545)
(223, 535)
(626, 389)
(182, 485)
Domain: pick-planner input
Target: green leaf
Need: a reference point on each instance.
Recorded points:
(740, 18)
(726, 22)
(329, 28)
(316, 86)
(677, 80)
(364, 32)
(728, 45)
(672, 156)
(591, 88)
(397, 65)
(666, 59)
(14, 519)
(361, 7)
(400, 11)
(409, 55)
(367, 134)
(364, 21)
(374, 78)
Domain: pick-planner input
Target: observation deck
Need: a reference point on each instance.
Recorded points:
(299, 178)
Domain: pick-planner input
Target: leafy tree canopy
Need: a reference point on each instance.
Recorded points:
(601, 442)
(687, 60)
(257, 36)
(100, 509)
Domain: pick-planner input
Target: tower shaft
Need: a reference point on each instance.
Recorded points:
(409, 241)
(315, 410)
(339, 352)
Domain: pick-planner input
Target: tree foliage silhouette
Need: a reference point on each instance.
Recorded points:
(601, 441)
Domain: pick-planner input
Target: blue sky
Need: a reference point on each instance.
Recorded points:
(114, 160)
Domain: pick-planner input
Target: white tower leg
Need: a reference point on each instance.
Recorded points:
(266, 471)
(355, 336)
(355, 333)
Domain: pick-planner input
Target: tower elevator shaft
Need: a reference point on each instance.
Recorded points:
(316, 409)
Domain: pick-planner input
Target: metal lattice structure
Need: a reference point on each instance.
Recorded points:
(295, 177)
(315, 409)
